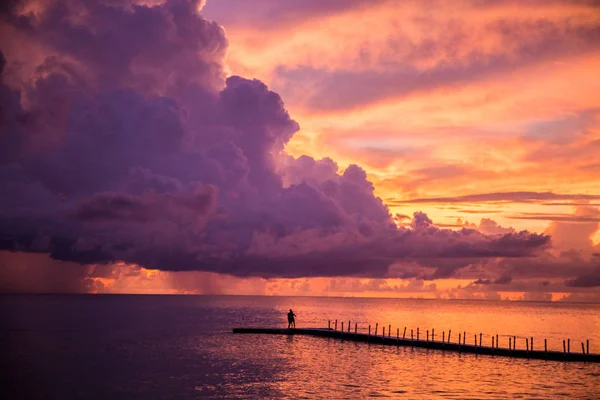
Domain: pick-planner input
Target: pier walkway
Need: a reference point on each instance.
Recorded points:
(427, 344)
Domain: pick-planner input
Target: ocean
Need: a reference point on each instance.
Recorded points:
(182, 347)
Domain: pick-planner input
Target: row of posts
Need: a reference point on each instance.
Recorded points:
(512, 341)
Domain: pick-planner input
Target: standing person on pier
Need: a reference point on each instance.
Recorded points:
(291, 320)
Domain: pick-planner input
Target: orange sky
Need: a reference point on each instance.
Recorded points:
(439, 101)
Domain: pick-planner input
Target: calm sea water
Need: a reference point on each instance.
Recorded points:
(181, 347)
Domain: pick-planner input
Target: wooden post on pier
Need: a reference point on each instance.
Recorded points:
(449, 332)
(355, 328)
(383, 332)
(427, 335)
(568, 345)
(464, 337)
(335, 329)
(432, 334)
(493, 342)
(390, 330)
(411, 336)
(443, 337)
(532, 343)
(514, 342)
(404, 334)
(329, 324)
(349, 326)
(480, 341)
(459, 339)
(376, 326)
(539, 353)
(587, 346)
(475, 340)
(417, 333)
(342, 331)
(509, 343)
(497, 343)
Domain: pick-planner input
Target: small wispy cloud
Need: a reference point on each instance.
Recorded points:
(501, 197)
(555, 217)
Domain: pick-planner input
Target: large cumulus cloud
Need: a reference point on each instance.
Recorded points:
(121, 140)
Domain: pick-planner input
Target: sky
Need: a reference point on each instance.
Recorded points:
(434, 149)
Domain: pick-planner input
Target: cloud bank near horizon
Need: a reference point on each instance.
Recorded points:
(122, 141)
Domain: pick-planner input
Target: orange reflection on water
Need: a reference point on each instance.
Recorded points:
(336, 369)
(332, 368)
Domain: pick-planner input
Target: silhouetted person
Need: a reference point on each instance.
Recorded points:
(291, 320)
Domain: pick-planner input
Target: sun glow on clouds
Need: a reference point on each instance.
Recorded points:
(498, 100)
(133, 279)
(442, 101)
(458, 86)
(23, 272)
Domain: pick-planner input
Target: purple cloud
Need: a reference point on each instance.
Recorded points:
(491, 227)
(267, 14)
(588, 280)
(117, 207)
(503, 280)
(127, 144)
(537, 38)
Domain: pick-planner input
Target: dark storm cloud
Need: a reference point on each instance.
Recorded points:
(503, 280)
(563, 266)
(588, 280)
(37, 273)
(134, 208)
(126, 143)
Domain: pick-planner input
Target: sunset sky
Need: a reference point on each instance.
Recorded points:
(345, 148)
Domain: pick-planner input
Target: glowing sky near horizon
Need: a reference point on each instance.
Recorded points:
(483, 115)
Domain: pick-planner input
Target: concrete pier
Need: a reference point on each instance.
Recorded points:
(430, 344)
